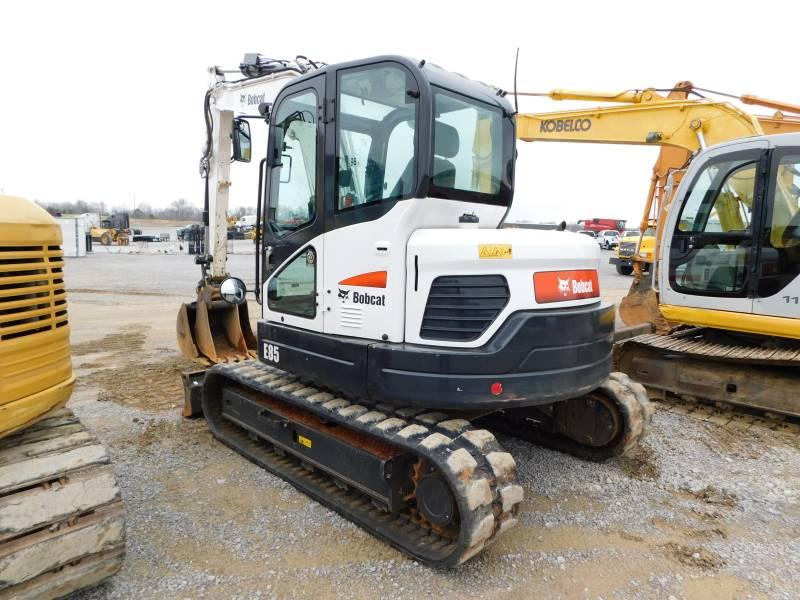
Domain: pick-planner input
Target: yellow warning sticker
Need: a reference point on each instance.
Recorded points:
(303, 441)
(494, 250)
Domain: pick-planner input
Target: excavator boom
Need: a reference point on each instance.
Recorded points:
(688, 124)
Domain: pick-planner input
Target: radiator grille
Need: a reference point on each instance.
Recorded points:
(462, 307)
(627, 249)
(32, 298)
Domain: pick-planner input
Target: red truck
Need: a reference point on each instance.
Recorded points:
(598, 225)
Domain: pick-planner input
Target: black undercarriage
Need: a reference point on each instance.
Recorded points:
(428, 483)
(357, 425)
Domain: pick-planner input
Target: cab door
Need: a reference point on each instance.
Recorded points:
(779, 265)
(371, 141)
(294, 257)
(712, 254)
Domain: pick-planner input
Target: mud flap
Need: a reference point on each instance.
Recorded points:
(641, 304)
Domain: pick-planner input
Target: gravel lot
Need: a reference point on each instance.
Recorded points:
(703, 511)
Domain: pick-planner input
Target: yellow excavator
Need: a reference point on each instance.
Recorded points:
(62, 522)
(672, 159)
(723, 292)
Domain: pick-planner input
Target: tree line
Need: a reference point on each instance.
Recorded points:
(179, 210)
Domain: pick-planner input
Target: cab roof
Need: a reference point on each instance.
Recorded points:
(428, 74)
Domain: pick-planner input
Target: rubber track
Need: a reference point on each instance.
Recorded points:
(480, 474)
(62, 521)
(636, 412)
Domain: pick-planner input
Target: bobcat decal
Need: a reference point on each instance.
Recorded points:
(563, 286)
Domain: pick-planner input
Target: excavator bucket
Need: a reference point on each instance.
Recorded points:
(212, 331)
(640, 306)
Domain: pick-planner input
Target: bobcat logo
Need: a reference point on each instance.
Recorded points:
(343, 294)
(563, 286)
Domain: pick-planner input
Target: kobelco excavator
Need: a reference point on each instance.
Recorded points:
(723, 293)
(397, 317)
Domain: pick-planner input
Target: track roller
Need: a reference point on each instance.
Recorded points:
(608, 422)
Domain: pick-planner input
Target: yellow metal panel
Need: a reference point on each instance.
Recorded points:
(35, 364)
(32, 363)
(734, 321)
(26, 411)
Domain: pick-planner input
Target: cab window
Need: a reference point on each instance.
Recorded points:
(780, 255)
(294, 155)
(375, 133)
(472, 149)
(293, 289)
(713, 243)
(785, 219)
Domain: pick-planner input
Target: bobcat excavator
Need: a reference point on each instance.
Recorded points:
(62, 522)
(398, 320)
(723, 294)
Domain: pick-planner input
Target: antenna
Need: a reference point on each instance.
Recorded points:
(516, 61)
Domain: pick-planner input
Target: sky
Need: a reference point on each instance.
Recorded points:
(103, 101)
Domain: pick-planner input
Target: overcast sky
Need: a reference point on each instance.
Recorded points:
(101, 101)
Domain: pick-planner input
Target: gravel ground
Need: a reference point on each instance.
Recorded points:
(702, 511)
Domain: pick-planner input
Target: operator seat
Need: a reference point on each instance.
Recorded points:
(445, 145)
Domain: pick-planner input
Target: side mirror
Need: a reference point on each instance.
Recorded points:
(233, 290)
(241, 140)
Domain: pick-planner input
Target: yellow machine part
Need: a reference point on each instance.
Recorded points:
(35, 365)
(785, 327)
(646, 249)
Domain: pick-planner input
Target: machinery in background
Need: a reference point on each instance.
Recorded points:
(598, 225)
(62, 521)
(114, 229)
(635, 243)
(723, 291)
(728, 274)
(398, 317)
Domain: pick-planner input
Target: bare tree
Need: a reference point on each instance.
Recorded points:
(181, 206)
